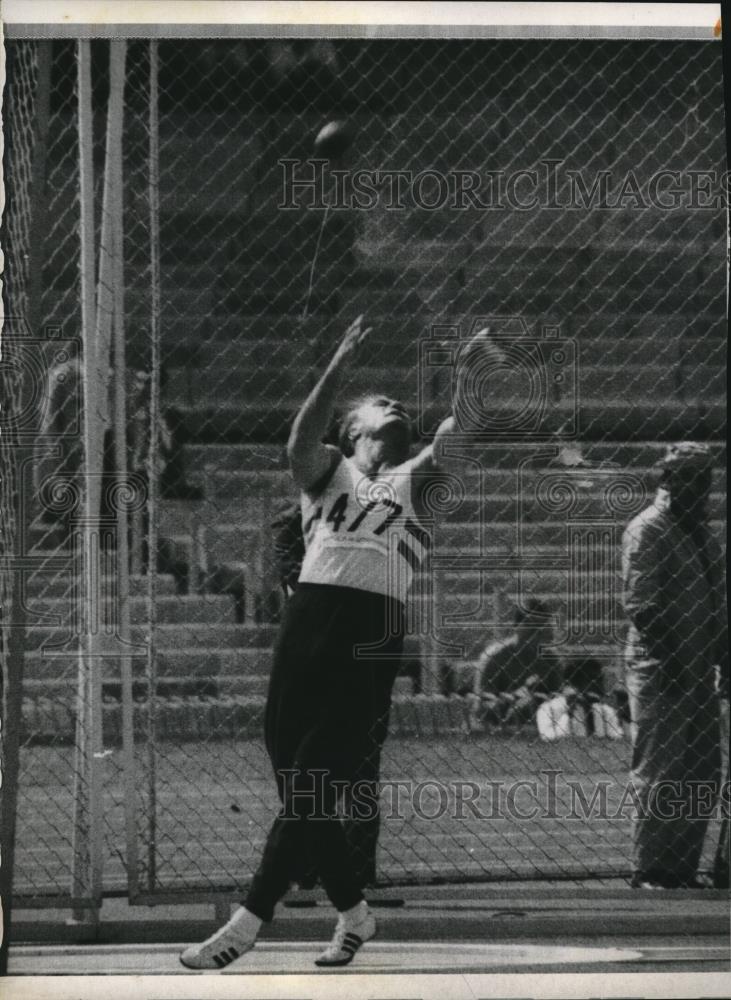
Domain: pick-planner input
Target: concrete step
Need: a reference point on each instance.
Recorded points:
(597, 343)
(293, 382)
(248, 664)
(637, 457)
(177, 301)
(185, 664)
(173, 685)
(59, 585)
(702, 381)
(168, 636)
(616, 368)
(581, 267)
(500, 489)
(608, 420)
(225, 457)
(533, 540)
(234, 716)
(198, 329)
(560, 300)
(224, 543)
(530, 508)
(180, 608)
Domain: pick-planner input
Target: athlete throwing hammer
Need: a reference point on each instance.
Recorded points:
(327, 700)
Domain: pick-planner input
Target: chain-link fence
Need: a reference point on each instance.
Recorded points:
(564, 194)
(18, 114)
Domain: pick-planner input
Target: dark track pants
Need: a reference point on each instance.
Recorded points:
(326, 714)
(675, 772)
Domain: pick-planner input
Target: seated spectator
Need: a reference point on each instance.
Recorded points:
(564, 715)
(557, 717)
(515, 675)
(620, 699)
(585, 678)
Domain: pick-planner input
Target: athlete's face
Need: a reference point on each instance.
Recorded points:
(383, 418)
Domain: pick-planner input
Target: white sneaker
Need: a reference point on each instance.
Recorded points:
(353, 929)
(228, 943)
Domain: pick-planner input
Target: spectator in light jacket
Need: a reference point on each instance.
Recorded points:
(676, 654)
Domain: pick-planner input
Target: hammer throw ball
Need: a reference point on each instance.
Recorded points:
(332, 140)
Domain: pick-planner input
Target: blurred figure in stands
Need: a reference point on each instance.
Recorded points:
(515, 675)
(173, 482)
(60, 454)
(289, 545)
(581, 708)
(676, 663)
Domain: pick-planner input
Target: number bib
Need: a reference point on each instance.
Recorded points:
(363, 532)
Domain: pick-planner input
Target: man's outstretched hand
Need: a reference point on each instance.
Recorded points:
(354, 337)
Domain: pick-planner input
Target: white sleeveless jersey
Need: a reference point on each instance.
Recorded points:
(363, 532)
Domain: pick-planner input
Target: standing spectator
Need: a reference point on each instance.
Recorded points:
(516, 674)
(723, 848)
(674, 596)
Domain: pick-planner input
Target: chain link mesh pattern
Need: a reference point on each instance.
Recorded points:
(616, 301)
(30, 349)
(18, 109)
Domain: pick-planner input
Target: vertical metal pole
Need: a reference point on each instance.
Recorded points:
(431, 664)
(118, 53)
(85, 836)
(152, 469)
(96, 385)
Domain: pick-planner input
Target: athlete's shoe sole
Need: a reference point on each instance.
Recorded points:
(219, 960)
(229, 942)
(349, 947)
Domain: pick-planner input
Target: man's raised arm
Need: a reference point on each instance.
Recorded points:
(310, 459)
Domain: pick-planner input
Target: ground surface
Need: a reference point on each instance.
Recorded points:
(708, 954)
(212, 803)
(470, 929)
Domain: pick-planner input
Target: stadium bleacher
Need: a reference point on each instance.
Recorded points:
(640, 293)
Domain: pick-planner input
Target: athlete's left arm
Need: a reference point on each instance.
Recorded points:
(434, 458)
(431, 458)
(427, 460)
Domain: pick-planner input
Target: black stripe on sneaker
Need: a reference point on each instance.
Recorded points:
(233, 953)
(354, 939)
(220, 961)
